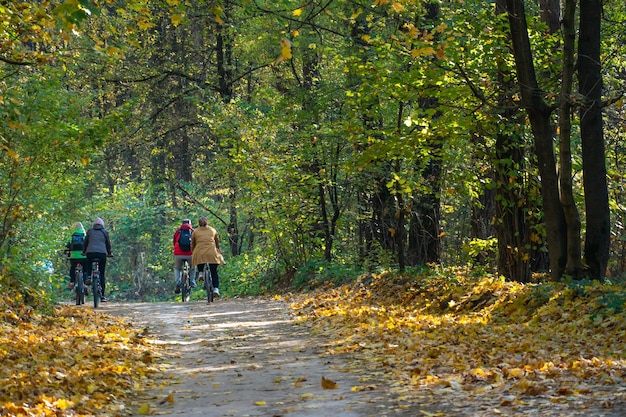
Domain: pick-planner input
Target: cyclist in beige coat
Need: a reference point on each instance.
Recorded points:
(205, 249)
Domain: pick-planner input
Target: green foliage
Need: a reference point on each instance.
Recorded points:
(249, 274)
(270, 139)
(481, 247)
(315, 274)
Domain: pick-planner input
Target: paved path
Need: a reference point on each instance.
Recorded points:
(250, 358)
(247, 358)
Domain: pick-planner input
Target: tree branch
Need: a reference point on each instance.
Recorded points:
(196, 201)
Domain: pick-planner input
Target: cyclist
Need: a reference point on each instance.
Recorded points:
(74, 251)
(182, 252)
(205, 246)
(97, 246)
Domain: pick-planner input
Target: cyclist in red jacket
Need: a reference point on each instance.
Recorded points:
(182, 251)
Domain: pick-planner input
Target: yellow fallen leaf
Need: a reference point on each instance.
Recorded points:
(329, 384)
(63, 404)
(260, 403)
(168, 399)
(144, 410)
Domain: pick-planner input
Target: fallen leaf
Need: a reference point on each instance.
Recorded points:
(329, 384)
(144, 410)
(168, 399)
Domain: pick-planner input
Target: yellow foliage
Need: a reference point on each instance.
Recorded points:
(426, 50)
(285, 49)
(176, 19)
(144, 410)
(397, 7)
(457, 331)
(145, 24)
(71, 363)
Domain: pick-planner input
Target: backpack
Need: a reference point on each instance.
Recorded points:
(184, 239)
(76, 243)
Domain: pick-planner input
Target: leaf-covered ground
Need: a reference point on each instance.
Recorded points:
(451, 344)
(515, 348)
(73, 362)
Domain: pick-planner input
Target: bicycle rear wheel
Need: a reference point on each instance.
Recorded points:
(79, 286)
(185, 287)
(208, 283)
(95, 283)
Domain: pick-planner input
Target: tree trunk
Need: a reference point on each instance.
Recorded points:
(573, 266)
(224, 60)
(424, 241)
(511, 225)
(597, 239)
(539, 115)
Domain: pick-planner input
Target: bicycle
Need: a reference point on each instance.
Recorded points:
(208, 283)
(185, 282)
(95, 283)
(79, 284)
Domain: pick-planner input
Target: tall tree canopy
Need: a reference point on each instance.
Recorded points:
(383, 134)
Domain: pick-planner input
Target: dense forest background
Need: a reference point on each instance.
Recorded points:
(323, 139)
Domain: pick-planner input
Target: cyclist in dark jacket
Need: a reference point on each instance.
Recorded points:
(97, 245)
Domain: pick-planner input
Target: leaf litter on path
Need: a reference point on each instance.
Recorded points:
(498, 347)
(383, 346)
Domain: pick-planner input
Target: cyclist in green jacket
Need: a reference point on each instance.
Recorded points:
(74, 251)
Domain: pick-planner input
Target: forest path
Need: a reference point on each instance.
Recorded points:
(250, 357)
(247, 357)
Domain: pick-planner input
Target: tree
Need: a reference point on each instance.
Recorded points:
(539, 114)
(597, 237)
(562, 218)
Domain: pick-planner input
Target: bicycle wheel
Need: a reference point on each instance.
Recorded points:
(95, 284)
(79, 286)
(185, 286)
(208, 283)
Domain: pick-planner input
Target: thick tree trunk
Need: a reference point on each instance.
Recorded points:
(511, 225)
(539, 115)
(597, 239)
(573, 266)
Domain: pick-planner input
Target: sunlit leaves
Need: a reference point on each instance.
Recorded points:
(463, 333)
(88, 365)
(145, 23)
(176, 19)
(285, 50)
